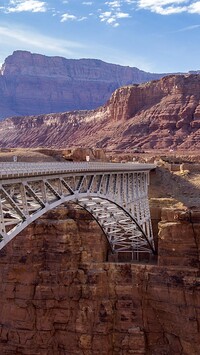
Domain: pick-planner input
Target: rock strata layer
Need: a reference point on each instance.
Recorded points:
(60, 296)
(158, 114)
(34, 83)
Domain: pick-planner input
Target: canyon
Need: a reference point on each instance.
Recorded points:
(61, 291)
(156, 115)
(62, 294)
(31, 84)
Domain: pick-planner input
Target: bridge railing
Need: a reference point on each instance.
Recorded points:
(12, 169)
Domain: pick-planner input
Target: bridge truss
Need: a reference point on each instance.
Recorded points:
(116, 195)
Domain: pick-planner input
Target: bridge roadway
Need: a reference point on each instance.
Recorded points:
(115, 194)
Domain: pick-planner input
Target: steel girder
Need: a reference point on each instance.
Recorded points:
(116, 195)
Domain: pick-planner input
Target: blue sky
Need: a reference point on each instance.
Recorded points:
(159, 36)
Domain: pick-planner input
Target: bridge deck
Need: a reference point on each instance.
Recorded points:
(11, 169)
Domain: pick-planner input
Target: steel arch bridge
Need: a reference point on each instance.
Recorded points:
(115, 194)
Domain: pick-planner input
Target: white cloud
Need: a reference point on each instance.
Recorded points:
(115, 8)
(194, 8)
(151, 3)
(82, 18)
(26, 5)
(113, 4)
(169, 7)
(168, 10)
(129, 1)
(109, 18)
(67, 17)
(122, 15)
(115, 12)
(105, 15)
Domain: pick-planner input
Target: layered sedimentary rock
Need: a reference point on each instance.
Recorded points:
(34, 83)
(158, 114)
(60, 296)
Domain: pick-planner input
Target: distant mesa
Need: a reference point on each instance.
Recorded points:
(32, 84)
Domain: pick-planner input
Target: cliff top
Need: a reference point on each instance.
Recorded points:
(27, 63)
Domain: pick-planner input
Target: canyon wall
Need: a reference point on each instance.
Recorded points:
(34, 83)
(158, 114)
(59, 295)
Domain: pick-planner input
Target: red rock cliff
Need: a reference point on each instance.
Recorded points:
(158, 114)
(59, 296)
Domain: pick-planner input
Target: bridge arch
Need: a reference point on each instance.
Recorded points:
(117, 200)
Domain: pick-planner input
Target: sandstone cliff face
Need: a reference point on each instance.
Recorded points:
(35, 84)
(158, 114)
(58, 294)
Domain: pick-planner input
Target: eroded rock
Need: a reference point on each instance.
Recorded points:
(60, 296)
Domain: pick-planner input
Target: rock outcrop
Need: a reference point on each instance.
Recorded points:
(158, 114)
(60, 296)
(34, 84)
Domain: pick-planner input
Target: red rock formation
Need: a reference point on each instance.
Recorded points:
(173, 249)
(34, 84)
(159, 114)
(59, 296)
